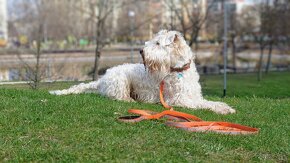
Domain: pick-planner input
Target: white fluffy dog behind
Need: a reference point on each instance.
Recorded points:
(166, 57)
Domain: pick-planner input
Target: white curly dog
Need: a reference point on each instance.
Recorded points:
(166, 57)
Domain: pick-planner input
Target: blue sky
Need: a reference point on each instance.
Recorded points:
(10, 3)
(12, 9)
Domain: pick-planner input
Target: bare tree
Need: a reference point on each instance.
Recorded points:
(234, 29)
(34, 71)
(262, 41)
(277, 14)
(269, 20)
(147, 19)
(62, 19)
(268, 32)
(36, 74)
(99, 11)
(241, 24)
(191, 16)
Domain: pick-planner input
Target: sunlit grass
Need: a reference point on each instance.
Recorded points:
(36, 126)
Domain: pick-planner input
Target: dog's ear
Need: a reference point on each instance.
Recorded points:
(172, 39)
(176, 40)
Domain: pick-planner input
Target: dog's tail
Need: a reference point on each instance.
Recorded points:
(77, 89)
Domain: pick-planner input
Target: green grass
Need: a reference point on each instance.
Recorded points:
(36, 126)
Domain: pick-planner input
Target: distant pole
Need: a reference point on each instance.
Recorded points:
(225, 48)
(131, 15)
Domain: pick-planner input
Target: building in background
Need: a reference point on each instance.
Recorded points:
(235, 6)
(3, 23)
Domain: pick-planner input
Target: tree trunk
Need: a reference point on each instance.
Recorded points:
(96, 65)
(36, 72)
(97, 50)
(194, 38)
(269, 57)
(196, 45)
(37, 67)
(234, 53)
(260, 66)
(195, 41)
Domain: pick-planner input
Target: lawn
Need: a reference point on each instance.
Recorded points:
(36, 126)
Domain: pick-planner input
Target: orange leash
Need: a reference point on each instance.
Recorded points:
(147, 115)
(161, 89)
(187, 121)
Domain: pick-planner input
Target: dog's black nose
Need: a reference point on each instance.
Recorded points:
(141, 51)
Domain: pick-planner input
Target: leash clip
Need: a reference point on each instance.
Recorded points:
(179, 75)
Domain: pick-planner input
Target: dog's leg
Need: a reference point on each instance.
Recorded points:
(77, 89)
(218, 107)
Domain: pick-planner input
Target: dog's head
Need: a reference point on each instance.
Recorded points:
(166, 51)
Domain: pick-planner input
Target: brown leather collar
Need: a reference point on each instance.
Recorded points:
(183, 68)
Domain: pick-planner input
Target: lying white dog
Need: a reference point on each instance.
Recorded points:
(166, 57)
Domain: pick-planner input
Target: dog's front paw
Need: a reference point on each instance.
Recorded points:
(222, 108)
(225, 110)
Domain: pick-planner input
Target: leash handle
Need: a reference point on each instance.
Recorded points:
(192, 123)
(212, 126)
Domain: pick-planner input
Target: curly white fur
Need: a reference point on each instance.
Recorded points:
(167, 50)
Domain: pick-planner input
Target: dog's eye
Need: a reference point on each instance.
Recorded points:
(157, 43)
